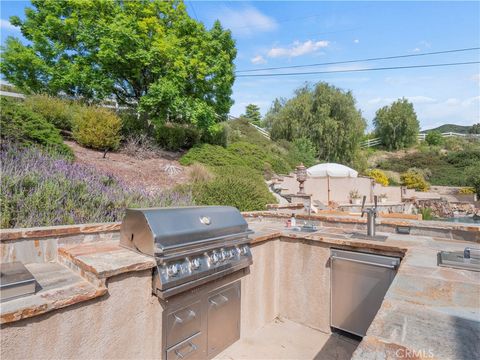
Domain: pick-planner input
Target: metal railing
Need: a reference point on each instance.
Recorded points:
(262, 131)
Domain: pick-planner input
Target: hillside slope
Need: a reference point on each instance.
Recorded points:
(146, 174)
(450, 128)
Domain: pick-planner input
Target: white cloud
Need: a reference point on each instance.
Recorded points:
(379, 100)
(246, 21)
(413, 99)
(452, 101)
(421, 99)
(422, 45)
(471, 101)
(297, 49)
(6, 25)
(257, 60)
(356, 41)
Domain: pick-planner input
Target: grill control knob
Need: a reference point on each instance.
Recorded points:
(232, 253)
(244, 250)
(195, 263)
(225, 255)
(214, 258)
(173, 270)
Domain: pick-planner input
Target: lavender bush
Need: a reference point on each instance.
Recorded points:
(41, 189)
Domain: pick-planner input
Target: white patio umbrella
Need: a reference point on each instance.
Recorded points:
(329, 170)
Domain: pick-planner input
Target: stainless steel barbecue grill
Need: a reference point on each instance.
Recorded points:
(192, 245)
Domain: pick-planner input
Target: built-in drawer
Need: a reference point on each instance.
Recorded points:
(191, 348)
(183, 323)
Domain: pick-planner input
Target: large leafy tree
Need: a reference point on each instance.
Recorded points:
(397, 125)
(323, 114)
(148, 53)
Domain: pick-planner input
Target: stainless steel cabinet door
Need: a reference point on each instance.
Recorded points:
(359, 285)
(223, 318)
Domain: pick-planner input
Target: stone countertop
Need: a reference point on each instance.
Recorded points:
(57, 287)
(105, 259)
(79, 276)
(451, 230)
(428, 311)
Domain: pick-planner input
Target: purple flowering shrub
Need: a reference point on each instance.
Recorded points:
(44, 189)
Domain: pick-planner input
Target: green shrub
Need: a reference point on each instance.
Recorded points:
(379, 176)
(464, 158)
(414, 180)
(455, 143)
(56, 111)
(472, 177)
(97, 128)
(427, 213)
(237, 154)
(175, 137)
(212, 155)
(216, 135)
(241, 130)
(19, 124)
(466, 191)
(236, 186)
(303, 151)
(133, 125)
(434, 138)
(448, 170)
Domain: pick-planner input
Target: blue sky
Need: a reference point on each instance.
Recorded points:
(287, 33)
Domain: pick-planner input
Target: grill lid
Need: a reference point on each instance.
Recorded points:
(155, 230)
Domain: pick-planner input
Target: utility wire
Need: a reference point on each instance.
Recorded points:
(362, 60)
(193, 9)
(279, 21)
(360, 70)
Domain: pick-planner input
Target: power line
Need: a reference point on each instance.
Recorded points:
(193, 9)
(362, 60)
(361, 70)
(278, 21)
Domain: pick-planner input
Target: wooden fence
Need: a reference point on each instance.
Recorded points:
(421, 137)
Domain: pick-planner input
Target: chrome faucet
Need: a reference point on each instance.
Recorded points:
(371, 216)
(468, 250)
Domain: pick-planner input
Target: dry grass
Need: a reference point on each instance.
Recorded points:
(199, 173)
(140, 147)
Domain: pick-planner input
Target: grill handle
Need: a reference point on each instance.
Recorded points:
(193, 347)
(191, 315)
(219, 300)
(393, 267)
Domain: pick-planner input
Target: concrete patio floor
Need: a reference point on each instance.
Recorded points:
(285, 339)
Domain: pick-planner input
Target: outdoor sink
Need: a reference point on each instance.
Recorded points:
(457, 260)
(362, 236)
(305, 228)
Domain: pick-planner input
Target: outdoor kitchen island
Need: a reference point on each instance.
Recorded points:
(285, 299)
